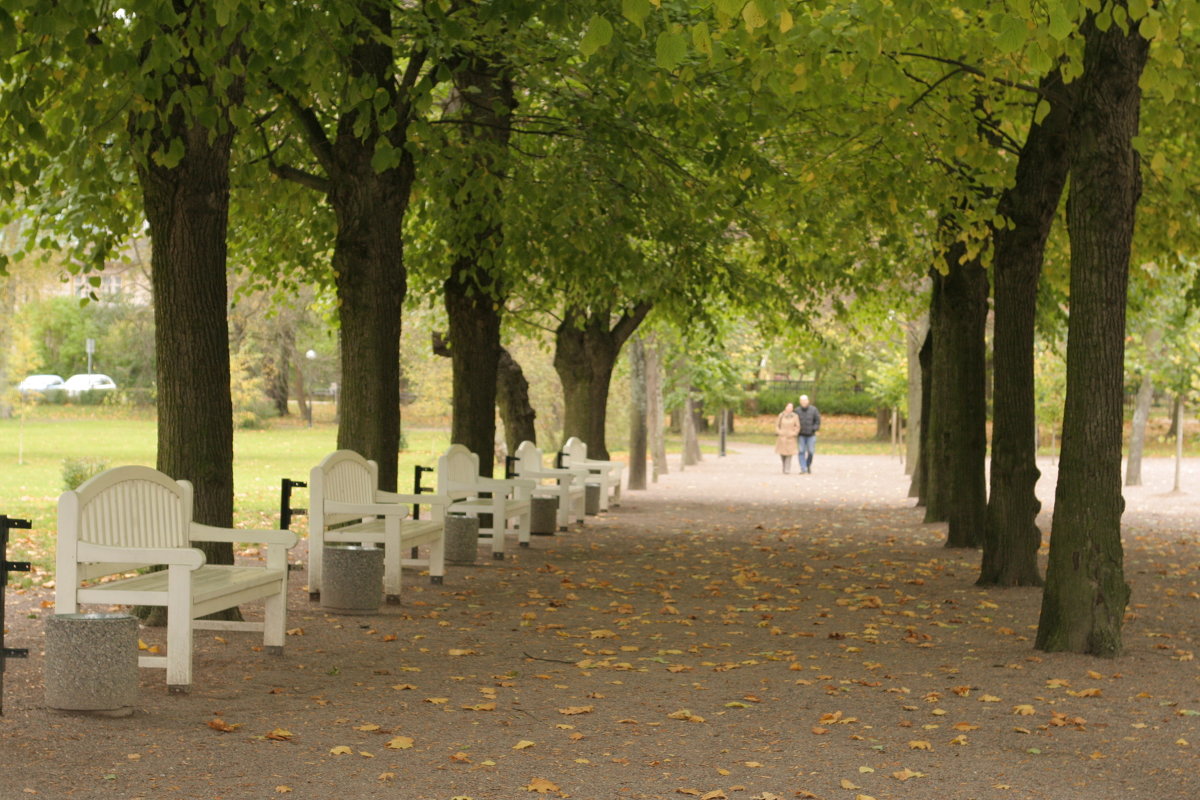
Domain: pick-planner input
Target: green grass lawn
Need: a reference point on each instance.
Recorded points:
(32, 454)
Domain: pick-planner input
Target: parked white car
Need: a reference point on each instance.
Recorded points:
(39, 384)
(76, 385)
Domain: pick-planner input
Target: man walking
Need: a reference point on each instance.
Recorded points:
(810, 423)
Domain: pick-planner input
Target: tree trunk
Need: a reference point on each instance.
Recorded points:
(914, 335)
(474, 338)
(1137, 436)
(187, 208)
(1083, 605)
(368, 258)
(883, 424)
(1176, 488)
(958, 413)
(919, 488)
(512, 400)
(1012, 537)
(483, 99)
(934, 478)
(654, 409)
(586, 348)
(637, 414)
(691, 447)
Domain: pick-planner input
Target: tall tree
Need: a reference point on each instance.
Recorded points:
(1012, 538)
(1083, 606)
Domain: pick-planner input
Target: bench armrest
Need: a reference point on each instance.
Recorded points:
(423, 499)
(198, 532)
(493, 484)
(189, 557)
(366, 509)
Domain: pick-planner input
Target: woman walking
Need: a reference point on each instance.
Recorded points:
(787, 428)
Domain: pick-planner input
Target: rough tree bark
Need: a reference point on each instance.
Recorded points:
(474, 292)
(586, 348)
(368, 256)
(512, 400)
(1083, 605)
(914, 337)
(187, 208)
(1012, 538)
(920, 479)
(637, 414)
(654, 409)
(957, 409)
(1137, 436)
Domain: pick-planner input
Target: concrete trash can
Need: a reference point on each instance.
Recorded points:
(543, 516)
(462, 539)
(591, 498)
(92, 663)
(353, 579)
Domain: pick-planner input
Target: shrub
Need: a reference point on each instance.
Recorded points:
(77, 470)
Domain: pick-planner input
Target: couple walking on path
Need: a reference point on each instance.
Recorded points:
(796, 434)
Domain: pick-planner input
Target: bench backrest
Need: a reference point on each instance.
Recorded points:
(457, 467)
(574, 451)
(345, 476)
(129, 506)
(529, 458)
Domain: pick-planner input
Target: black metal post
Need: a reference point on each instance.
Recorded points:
(510, 467)
(285, 502)
(6, 524)
(419, 489)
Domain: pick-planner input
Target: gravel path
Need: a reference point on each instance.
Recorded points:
(730, 633)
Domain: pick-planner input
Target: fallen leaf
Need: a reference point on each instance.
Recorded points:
(715, 794)
(403, 687)
(685, 714)
(572, 710)
(906, 774)
(461, 651)
(218, 724)
(341, 750)
(848, 784)
(920, 745)
(989, 698)
(524, 744)
(400, 743)
(295, 632)
(280, 735)
(480, 707)
(283, 789)
(370, 726)
(387, 776)
(541, 786)
(460, 758)
(1024, 710)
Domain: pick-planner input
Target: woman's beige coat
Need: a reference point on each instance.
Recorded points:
(787, 428)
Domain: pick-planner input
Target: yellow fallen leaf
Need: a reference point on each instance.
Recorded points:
(218, 724)
(524, 744)
(280, 735)
(295, 632)
(715, 794)
(961, 739)
(403, 687)
(341, 750)
(437, 701)
(964, 726)
(368, 727)
(865, 770)
(1024, 710)
(541, 786)
(692, 792)
(602, 633)
(400, 743)
(1096, 676)
(480, 707)
(462, 651)
(387, 776)
(281, 789)
(460, 758)
(685, 714)
(1086, 693)
(572, 710)
(989, 698)
(906, 774)
(863, 797)
(365, 754)
(920, 745)
(848, 784)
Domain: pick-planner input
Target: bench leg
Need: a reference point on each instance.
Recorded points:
(179, 629)
(316, 543)
(392, 558)
(437, 559)
(275, 620)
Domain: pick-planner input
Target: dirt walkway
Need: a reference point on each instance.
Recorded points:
(731, 633)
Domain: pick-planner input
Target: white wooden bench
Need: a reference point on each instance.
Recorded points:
(131, 517)
(346, 505)
(458, 478)
(567, 487)
(606, 473)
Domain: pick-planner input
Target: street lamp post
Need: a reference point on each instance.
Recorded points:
(311, 355)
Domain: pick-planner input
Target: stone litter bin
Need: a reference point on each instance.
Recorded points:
(591, 499)
(543, 516)
(91, 663)
(353, 579)
(462, 539)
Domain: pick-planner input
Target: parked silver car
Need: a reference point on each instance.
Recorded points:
(40, 384)
(76, 385)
